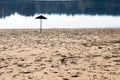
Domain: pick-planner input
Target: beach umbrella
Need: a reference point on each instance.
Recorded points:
(40, 17)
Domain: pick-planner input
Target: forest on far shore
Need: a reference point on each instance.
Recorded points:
(31, 7)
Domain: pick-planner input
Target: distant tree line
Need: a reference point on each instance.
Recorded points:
(88, 7)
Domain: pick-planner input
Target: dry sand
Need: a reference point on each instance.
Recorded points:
(60, 54)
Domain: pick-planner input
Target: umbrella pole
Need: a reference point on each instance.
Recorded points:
(40, 25)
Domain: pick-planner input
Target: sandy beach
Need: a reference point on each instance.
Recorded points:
(60, 54)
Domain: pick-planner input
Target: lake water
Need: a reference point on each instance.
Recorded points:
(60, 14)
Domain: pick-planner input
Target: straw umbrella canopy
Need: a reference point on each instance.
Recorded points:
(40, 17)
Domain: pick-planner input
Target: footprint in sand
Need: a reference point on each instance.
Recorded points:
(65, 79)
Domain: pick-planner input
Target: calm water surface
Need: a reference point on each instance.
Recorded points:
(60, 14)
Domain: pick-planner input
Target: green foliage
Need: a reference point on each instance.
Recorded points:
(31, 7)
